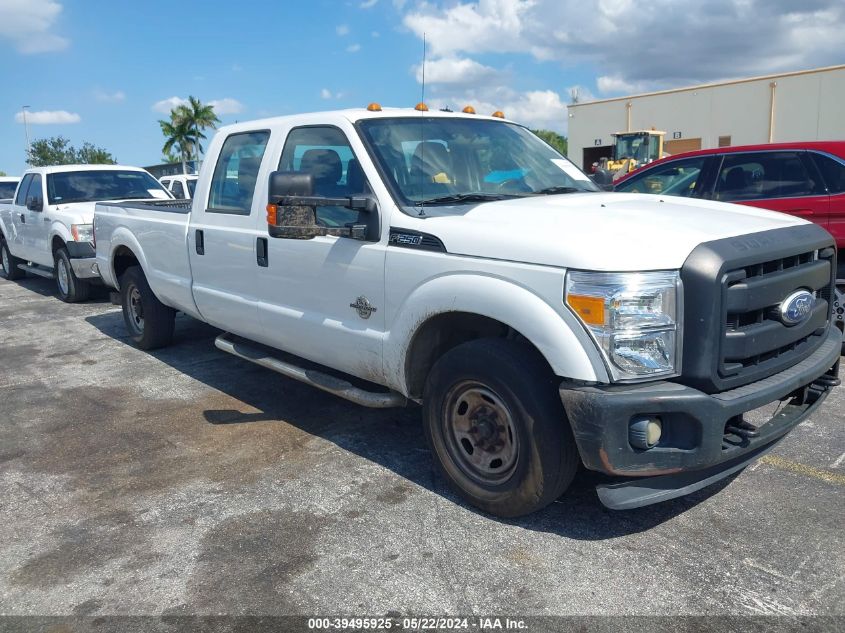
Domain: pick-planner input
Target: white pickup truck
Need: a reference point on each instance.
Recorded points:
(456, 261)
(46, 229)
(181, 186)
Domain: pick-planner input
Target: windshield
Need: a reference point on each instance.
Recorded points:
(99, 185)
(642, 147)
(7, 190)
(456, 161)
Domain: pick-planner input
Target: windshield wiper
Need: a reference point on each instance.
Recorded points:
(553, 190)
(464, 197)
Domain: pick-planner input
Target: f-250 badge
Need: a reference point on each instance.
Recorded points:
(364, 307)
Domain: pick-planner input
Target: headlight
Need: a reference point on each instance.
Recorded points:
(635, 318)
(82, 232)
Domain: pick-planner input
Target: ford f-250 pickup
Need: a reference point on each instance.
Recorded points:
(45, 229)
(393, 256)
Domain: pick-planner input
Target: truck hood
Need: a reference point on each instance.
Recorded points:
(596, 231)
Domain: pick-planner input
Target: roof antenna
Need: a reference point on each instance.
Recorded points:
(422, 134)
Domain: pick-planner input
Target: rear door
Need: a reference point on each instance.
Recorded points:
(784, 181)
(832, 170)
(222, 236)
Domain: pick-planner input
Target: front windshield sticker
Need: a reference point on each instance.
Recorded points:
(158, 193)
(571, 170)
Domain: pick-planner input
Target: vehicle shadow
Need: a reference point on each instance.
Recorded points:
(392, 438)
(47, 288)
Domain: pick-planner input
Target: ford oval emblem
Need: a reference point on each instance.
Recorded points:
(796, 307)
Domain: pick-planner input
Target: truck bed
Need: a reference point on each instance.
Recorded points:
(156, 233)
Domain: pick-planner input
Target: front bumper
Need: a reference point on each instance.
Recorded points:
(695, 448)
(83, 259)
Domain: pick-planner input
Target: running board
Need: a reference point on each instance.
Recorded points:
(38, 270)
(315, 378)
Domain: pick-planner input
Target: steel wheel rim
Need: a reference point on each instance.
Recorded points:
(480, 433)
(6, 264)
(136, 309)
(64, 284)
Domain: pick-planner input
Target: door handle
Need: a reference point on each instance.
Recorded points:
(261, 252)
(200, 242)
(23, 219)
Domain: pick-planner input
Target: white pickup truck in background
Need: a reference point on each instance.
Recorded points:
(181, 186)
(46, 228)
(458, 262)
(8, 185)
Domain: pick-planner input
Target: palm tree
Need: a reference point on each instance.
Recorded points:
(178, 138)
(197, 117)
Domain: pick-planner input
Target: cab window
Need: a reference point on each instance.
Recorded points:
(324, 153)
(177, 190)
(20, 198)
(236, 172)
(759, 175)
(677, 178)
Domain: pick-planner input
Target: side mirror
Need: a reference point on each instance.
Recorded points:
(34, 204)
(292, 208)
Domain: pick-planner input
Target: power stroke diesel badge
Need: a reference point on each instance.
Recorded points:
(364, 307)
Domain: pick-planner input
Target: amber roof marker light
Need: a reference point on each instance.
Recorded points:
(498, 114)
(421, 107)
(468, 110)
(374, 107)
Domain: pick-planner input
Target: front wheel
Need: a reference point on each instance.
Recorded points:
(71, 288)
(495, 423)
(149, 321)
(9, 263)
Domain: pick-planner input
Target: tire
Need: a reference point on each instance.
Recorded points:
(149, 322)
(71, 289)
(497, 428)
(9, 263)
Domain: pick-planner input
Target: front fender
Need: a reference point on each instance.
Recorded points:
(555, 333)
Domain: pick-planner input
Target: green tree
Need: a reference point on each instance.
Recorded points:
(184, 131)
(57, 150)
(177, 137)
(554, 139)
(93, 155)
(2, 173)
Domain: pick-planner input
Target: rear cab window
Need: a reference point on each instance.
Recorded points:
(236, 173)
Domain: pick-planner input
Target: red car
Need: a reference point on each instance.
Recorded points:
(803, 179)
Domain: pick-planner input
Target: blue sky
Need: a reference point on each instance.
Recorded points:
(106, 70)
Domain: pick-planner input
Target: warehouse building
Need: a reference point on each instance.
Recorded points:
(797, 106)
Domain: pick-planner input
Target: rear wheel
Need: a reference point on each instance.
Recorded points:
(9, 263)
(495, 423)
(149, 321)
(71, 288)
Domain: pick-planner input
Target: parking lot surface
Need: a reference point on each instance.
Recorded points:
(186, 481)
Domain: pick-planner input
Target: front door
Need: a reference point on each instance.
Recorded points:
(222, 237)
(323, 298)
(37, 225)
(17, 244)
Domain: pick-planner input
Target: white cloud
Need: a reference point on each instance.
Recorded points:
(110, 97)
(368, 4)
(342, 29)
(325, 93)
(166, 105)
(636, 46)
(222, 107)
(48, 117)
(225, 106)
(28, 25)
(534, 108)
(453, 70)
(353, 48)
